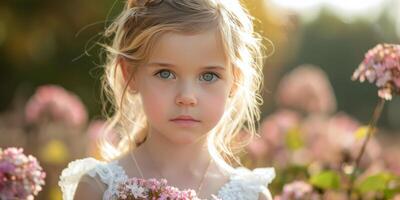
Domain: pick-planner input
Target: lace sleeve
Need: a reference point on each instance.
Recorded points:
(71, 175)
(248, 185)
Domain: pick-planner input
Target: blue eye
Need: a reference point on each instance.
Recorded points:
(164, 74)
(167, 74)
(209, 77)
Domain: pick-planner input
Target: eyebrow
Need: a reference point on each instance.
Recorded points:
(159, 64)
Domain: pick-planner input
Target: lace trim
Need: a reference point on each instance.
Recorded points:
(110, 174)
(71, 175)
(245, 184)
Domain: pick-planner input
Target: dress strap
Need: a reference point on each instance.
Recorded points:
(109, 173)
(71, 175)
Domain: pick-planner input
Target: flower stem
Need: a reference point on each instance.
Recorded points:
(371, 129)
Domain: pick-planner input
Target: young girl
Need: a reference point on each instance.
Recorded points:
(184, 77)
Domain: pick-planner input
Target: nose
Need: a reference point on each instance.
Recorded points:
(186, 97)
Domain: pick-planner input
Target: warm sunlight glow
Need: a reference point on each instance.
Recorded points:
(347, 10)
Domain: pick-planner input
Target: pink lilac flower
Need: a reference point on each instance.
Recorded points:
(342, 128)
(141, 189)
(332, 140)
(54, 102)
(257, 148)
(334, 195)
(273, 130)
(320, 148)
(21, 176)
(381, 66)
(390, 157)
(297, 190)
(306, 88)
(275, 126)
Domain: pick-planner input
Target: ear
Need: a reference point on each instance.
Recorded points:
(128, 74)
(233, 90)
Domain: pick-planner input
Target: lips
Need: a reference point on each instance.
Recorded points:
(185, 122)
(185, 118)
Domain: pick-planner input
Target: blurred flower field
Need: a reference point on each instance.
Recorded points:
(313, 146)
(53, 127)
(309, 142)
(315, 119)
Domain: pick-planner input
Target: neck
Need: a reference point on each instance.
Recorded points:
(171, 159)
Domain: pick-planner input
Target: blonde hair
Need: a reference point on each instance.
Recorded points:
(134, 33)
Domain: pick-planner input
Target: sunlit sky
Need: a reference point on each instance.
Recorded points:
(347, 10)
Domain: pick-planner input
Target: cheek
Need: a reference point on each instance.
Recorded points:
(214, 104)
(155, 100)
(216, 110)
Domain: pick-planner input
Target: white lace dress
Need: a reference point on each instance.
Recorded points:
(243, 184)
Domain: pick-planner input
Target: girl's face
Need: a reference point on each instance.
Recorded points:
(187, 76)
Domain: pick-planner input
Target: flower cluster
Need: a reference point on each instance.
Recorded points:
(306, 88)
(56, 103)
(382, 66)
(141, 189)
(316, 148)
(298, 190)
(21, 176)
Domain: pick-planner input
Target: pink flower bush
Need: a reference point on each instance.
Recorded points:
(142, 189)
(54, 102)
(343, 131)
(392, 162)
(297, 190)
(21, 176)
(381, 66)
(325, 148)
(271, 145)
(306, 88)
(327, 140)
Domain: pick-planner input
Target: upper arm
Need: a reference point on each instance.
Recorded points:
(265, 195)
(262, 196)
(89, 188)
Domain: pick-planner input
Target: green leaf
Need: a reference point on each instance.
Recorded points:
(389, 193)
(293, 139)
(326, 180)
(376, 182)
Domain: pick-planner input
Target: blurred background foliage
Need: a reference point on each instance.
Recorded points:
(52, 42)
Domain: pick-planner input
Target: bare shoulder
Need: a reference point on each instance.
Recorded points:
(90, 188)
(265, 195)
(262, 196)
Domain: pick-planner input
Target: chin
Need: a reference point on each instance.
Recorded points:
(185, 139)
